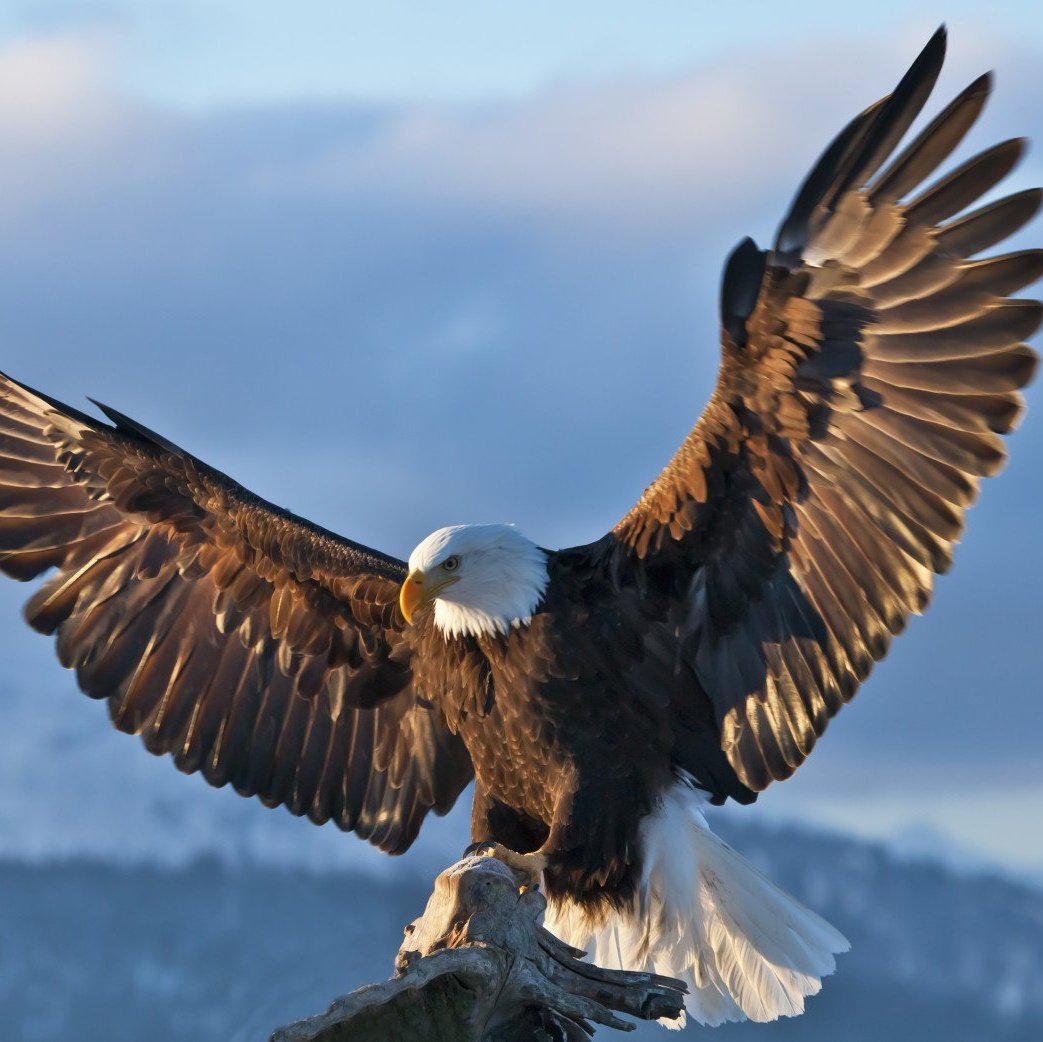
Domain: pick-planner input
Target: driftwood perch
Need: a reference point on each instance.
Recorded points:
(478, 967)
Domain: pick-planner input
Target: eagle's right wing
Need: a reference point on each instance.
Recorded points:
(251, 645)
(869, 367)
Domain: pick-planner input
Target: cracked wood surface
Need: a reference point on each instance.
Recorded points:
(478, 967)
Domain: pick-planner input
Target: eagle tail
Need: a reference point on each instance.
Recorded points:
(705, 915)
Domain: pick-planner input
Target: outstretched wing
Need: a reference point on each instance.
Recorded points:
(252, 646)
(869, 368)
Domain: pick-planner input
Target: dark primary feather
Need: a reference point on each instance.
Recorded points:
(251, 645)
(864, 387)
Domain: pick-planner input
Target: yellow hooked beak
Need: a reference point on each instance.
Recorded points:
(420, 589)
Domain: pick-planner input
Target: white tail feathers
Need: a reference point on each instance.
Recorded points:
(704, 914)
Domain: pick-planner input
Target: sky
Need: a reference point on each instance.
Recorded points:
(399, 266)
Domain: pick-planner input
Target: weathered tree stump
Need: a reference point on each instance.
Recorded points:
(478, 967)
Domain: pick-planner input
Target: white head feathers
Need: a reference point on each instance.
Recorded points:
(498, 577)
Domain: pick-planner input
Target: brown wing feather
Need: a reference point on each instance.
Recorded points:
(869, 368)
(252, 646)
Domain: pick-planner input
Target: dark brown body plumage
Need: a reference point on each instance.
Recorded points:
(868, 370)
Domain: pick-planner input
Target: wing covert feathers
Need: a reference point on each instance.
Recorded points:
(871, 363)
(248, 644)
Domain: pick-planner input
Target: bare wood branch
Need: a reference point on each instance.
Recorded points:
(478, 967)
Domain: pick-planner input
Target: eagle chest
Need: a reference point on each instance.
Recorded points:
(534, 725)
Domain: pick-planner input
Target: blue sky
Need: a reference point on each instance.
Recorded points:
(200, 53)
(407, 266)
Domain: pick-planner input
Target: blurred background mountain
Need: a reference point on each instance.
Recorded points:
(221, 951)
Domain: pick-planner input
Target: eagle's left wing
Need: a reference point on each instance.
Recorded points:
(868, 370)
(249, 644)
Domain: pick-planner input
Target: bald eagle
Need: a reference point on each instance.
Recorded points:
(599, 696)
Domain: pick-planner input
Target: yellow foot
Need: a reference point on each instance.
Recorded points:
(529, 865)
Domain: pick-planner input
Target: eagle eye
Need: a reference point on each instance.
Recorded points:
(450, 564)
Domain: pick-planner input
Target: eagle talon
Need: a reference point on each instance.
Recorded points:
(531, 866)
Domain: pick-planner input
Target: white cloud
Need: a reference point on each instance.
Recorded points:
(639, 152)
(62, 122)
(55, 88)
(715, 138)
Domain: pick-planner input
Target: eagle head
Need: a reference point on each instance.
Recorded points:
(482, 579)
